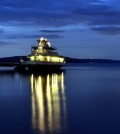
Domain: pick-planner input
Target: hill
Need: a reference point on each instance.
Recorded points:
(75, 60)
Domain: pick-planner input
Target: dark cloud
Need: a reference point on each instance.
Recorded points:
(25, 36)
(106, 20)
(41, 4)
(57, 13)
(92, 10)
(54, 36)
(18, 4)
(98, 14)
(7, 43)
(31, 17)
(3, 43)
(44, 12)
(1, 31)
(52, 31)
(112, 30)
(104, 17)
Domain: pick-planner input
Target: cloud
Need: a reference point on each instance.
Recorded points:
(52, 31)
(19, 36)
(58, 14)
(25, 36)
(112, 30)
(31, 17)
(91, 10)
(54, 36)
(54, 13)
(99, 18)
(1, 31)
(7, 43)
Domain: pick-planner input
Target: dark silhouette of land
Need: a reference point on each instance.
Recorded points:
(75, 60)
(16, 59)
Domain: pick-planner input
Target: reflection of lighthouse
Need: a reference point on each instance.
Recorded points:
(48, 103)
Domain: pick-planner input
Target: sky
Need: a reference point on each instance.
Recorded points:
(78, 28)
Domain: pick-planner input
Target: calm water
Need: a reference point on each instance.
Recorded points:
(82, 100)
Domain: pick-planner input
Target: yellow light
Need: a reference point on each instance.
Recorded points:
(48, 93)
(49, 103)
(40, 57)
(61, 59)
(55, 59)
(32, 58)
(48, 58)
(62, 82)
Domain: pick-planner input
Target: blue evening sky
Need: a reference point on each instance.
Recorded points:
(78, 28)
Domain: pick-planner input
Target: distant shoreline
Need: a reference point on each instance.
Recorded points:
(90, 61)
(67, 59)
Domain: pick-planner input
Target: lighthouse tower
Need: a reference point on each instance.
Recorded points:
(42, 42)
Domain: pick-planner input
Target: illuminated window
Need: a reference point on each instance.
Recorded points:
(32, 58)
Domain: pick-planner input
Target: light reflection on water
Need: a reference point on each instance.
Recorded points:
(86, 102)
(48, 103)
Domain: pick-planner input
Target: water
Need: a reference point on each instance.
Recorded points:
(83, 100)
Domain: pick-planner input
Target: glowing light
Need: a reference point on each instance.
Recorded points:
(42, 38)
(40, 57)
(61, 59)
(32, 58)
(48, 58)
(62, 83)
(48, 102)
(55, 59)
(37, 96)
(49, 44)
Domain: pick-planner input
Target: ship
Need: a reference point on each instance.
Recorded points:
(43, 56)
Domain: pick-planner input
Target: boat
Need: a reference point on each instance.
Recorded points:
(43, 56)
